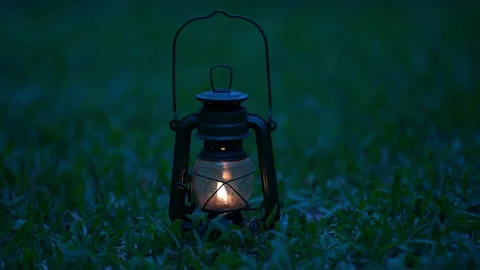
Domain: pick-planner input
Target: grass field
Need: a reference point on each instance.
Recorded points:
(377, 149)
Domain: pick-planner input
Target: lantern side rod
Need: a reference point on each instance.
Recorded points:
(271, 123)
(267, 167)
(177, 208)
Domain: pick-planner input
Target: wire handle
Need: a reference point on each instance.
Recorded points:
(271, 123)
(229, 83)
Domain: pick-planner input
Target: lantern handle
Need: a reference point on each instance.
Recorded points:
(218, 90)
(271, 123)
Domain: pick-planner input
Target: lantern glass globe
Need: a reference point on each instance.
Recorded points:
(223, 186)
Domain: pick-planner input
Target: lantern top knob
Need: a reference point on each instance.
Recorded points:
(222, 95)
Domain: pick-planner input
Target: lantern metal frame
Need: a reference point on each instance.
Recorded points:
(222, 120)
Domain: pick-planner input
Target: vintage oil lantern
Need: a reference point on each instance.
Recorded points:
(222, 178)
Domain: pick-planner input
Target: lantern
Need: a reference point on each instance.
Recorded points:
(222, 178)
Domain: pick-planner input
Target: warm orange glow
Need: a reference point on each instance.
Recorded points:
(226, 174)
(222, 192)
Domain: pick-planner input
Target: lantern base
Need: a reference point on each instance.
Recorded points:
(228, 218)
(234, 217)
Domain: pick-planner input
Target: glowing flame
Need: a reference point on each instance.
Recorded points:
(222, 192)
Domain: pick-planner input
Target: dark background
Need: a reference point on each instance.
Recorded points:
(341, 73)
(359, 88)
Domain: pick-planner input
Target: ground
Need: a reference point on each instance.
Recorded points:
(377, 148)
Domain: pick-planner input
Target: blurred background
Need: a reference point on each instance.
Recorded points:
(356, 84)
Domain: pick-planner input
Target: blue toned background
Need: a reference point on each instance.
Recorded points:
(359, 90)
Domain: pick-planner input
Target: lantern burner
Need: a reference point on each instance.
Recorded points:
(222, 150)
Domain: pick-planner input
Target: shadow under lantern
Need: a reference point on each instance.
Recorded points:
(222, 178)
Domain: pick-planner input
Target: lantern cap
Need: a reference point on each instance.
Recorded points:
(222, 96)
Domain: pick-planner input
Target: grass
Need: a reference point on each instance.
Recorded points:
(377, 149)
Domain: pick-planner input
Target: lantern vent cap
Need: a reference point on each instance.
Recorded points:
(222, 96)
